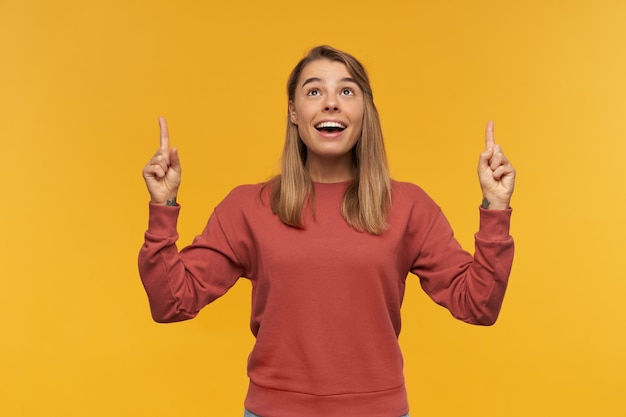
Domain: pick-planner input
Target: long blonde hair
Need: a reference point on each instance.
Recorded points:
(367, 199)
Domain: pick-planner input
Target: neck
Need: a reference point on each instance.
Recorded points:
(327, 171)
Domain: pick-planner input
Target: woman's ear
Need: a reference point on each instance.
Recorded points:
(292, 113)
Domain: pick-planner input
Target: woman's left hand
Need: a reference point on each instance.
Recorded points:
(495, 173)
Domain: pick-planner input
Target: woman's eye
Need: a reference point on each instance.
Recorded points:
(346, 92)
(313, 93)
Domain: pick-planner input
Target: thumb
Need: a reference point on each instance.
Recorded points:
(175, 160)
(484, 158)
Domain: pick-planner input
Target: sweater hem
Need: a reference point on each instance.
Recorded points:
(269, 402)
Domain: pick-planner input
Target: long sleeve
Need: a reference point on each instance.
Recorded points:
(472, 288)
(179, 284)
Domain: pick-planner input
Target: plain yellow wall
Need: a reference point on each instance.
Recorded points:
(82, 84)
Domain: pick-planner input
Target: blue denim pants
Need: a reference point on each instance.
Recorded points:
(247, 413)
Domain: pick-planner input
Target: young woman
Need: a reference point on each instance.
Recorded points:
(327, 246)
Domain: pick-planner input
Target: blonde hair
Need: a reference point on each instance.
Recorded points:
(367, 199)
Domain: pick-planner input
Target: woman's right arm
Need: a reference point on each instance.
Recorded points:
(180, 283)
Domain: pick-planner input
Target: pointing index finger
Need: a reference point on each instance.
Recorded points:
(165, 135)
(489, 138)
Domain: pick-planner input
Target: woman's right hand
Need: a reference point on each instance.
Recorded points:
(162, 172)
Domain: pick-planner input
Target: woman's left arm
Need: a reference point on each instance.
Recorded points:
(472, 288)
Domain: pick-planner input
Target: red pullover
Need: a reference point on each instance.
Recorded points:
(326, 299)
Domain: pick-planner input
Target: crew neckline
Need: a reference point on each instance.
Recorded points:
(333, 183)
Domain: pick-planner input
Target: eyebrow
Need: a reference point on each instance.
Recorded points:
(316, 79)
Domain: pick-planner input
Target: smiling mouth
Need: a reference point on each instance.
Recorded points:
(330, 127)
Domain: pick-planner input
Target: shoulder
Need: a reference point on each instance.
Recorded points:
(406, 192)
(243, 197)
(412, 208)
(246, 190)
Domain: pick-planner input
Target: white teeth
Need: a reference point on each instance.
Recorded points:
(330, 125)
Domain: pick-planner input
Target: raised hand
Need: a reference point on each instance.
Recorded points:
(495, 173)
(162, 173)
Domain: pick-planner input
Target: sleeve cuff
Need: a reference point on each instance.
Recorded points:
(163, 220)
(494, 224)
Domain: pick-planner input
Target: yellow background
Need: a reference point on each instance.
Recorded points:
(82, 84)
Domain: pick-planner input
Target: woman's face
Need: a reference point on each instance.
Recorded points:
(328, 109)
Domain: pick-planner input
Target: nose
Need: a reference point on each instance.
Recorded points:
(331, 104)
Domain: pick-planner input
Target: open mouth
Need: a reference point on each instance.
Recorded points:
(330, 127)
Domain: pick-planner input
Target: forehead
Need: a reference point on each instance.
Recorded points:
(324, 70)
